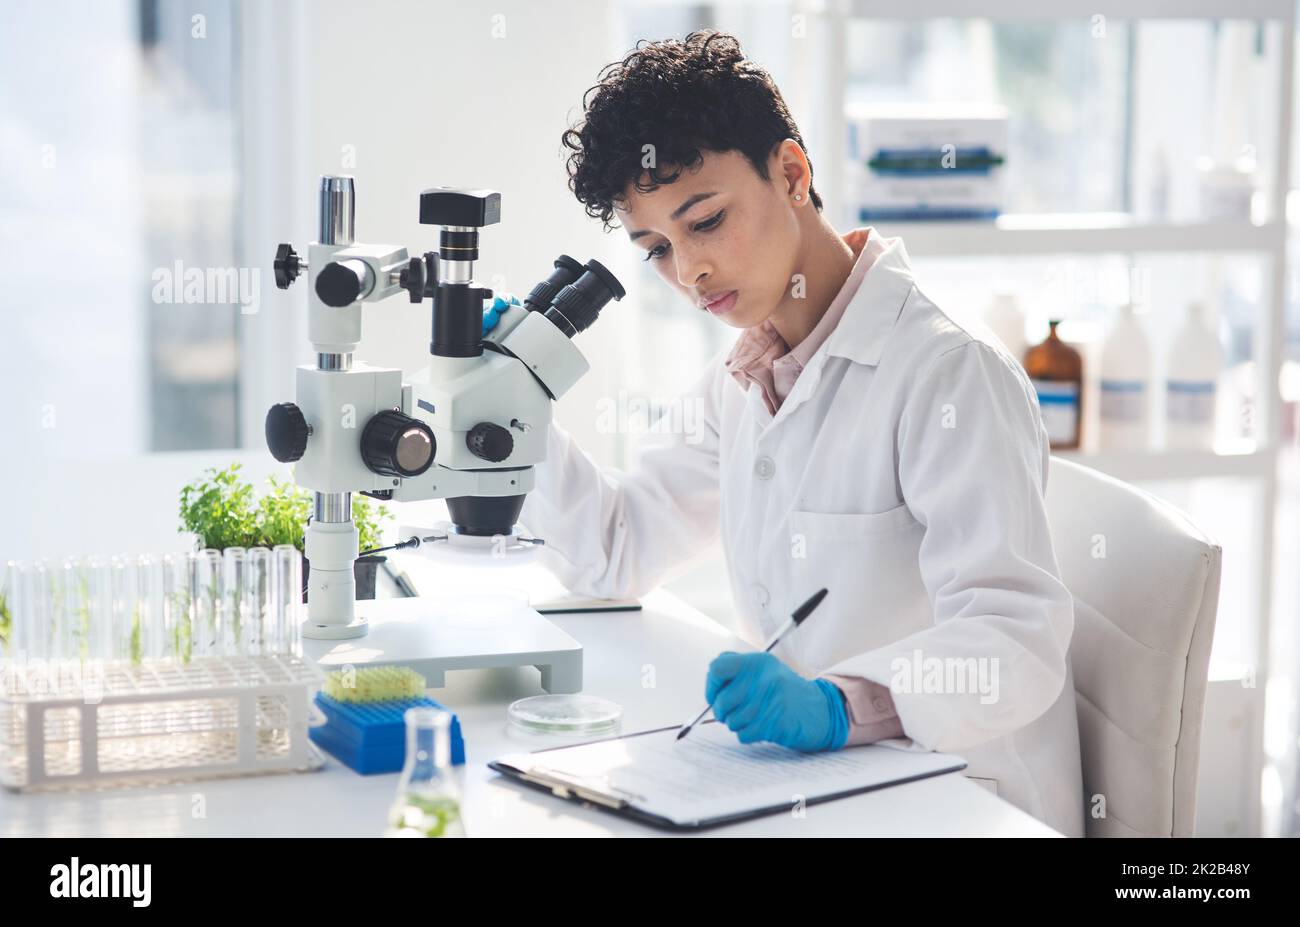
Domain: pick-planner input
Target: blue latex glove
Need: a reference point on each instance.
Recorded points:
(760, 698)
(492, 314)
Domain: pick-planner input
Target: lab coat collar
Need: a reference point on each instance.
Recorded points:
(870, 316)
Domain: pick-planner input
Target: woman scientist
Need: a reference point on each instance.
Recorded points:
(853, 437)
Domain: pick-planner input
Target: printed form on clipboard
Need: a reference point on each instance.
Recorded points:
(710, 778)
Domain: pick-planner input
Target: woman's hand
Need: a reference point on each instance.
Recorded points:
(760, 698)
(492, 314)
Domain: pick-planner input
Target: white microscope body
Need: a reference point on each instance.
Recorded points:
(469, 428)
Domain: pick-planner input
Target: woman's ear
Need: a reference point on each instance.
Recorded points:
(791, 166)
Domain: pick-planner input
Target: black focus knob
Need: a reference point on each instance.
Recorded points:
(431, 273)
(286, 432)
(395, 444)
(287, 265)
(338, 285)
(411, 279)
(490, 442)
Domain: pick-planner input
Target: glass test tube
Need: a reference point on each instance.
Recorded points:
(77, 605)
(178, 571)
(287, 593)
(13, 611)
(257, 600)
(126, 631)
(88, 606)
(207, 629)
(151, 606)
(234, 565)
(38, 586)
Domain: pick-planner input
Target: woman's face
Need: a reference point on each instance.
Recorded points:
(721, 235)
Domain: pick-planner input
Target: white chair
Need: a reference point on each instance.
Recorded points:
(1145, 583)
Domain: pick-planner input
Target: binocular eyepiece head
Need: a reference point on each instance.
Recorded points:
(573, 295)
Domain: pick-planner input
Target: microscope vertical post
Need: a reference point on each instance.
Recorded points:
(332, 537)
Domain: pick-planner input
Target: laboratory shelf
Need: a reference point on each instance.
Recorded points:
(1111, 233)
(1081, 233)
(1057, 10)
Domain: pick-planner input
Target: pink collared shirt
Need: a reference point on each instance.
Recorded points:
(761, 357)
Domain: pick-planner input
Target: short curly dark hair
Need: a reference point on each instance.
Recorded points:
(700, 93)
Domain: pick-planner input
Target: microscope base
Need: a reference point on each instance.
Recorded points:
(433, 634)
(358, 627)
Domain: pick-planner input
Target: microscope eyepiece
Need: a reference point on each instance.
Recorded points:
(566, 271)
(578, 305)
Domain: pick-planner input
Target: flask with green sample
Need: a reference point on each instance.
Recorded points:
(428, 799)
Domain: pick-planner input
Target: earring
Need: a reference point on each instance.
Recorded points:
(798, 197)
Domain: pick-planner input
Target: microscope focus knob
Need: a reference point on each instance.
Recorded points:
(339, 285)
(394, 444)
(490, 442)
(411, 279)
(286, 432)
(287, 265)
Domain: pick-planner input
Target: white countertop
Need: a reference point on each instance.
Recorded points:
(651, 661)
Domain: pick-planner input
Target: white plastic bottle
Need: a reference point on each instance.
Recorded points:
(1006, 320)
(1191, 383)
(1125, 385)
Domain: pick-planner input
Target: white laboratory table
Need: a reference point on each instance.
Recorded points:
(651, 661)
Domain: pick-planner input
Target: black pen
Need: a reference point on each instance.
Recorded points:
(796, 619)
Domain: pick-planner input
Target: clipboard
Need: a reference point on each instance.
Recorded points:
(557, 770)
(569, 603)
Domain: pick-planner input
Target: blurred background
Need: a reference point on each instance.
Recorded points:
(1142, 162)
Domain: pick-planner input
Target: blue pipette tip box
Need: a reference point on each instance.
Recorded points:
(370, 737)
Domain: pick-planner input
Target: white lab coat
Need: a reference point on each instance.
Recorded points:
(904, 472)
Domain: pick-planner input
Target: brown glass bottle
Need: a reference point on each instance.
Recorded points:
(1056, 370)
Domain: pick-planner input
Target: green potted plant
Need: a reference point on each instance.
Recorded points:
(6, 621)
(220, 507)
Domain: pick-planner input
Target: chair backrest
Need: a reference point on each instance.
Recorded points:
(1145, 583)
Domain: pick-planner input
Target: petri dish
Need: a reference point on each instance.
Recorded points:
(565, 714)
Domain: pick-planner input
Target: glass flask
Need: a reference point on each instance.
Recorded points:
(428, 799)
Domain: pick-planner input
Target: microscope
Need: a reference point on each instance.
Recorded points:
(469, 428)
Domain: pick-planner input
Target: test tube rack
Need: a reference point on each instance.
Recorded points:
(67, 724)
